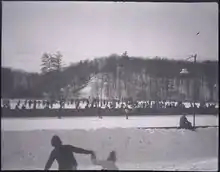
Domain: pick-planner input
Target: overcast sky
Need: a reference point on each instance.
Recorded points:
(84, 30)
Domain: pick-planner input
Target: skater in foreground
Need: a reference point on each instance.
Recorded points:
(108, 164)
(63, 154)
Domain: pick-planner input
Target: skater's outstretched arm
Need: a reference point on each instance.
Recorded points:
(50, 160)
(80, 150)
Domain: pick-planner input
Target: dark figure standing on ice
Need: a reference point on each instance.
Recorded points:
(126, 111)
(99, 112)
(63, 154)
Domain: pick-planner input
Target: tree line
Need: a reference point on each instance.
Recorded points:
(54, 75)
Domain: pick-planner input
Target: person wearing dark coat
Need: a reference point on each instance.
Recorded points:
(184, 123)
(63, 154)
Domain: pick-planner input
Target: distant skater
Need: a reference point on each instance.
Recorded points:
(99, 113)
(63, 154)
(60, 109)
(23, 106)
(34, 104)
(126, 112)
(108, 164)
(29, 104)
(25, 102)
(59, 112)
(17, 107)
(184, 123)
(59, 115)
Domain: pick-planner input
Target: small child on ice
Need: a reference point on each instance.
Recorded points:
(108, 164)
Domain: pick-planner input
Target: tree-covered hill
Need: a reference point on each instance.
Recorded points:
(17, 84)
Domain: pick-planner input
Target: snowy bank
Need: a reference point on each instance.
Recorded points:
(136, 148)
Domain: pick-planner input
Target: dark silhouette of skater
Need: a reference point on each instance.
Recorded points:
(184, 123)
(23, 106)
(34, 104)
(25, 102)
(63, 154)
(29, 103)
(17, 106)
(99, 113)
(108, 164)
(126, 110)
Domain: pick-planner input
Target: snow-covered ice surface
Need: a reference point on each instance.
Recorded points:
(152, 149)
(26, 142)
(88, 123)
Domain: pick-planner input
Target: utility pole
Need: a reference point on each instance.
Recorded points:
(194, 113)
(118, 84)
(102, 77)
(184, 71)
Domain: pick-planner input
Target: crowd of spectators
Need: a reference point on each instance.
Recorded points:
(104, 104)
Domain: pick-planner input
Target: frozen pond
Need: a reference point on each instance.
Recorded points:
(88, 123)
(137, 149)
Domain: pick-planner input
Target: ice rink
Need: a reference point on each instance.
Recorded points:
(26, 142)
(88, 123)
(137, 149)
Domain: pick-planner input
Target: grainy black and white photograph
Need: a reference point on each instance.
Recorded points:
(109, 86)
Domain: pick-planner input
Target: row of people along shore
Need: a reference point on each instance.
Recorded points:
(106, 104)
